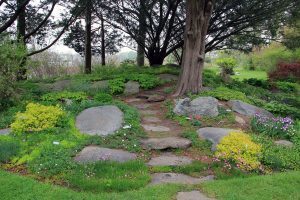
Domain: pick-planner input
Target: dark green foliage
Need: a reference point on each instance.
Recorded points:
(103, 98)
(258, 83)
(60, 96)
(117, 85)
(9, 147)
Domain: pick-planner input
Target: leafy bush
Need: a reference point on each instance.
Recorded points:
(282, 109)
(274, 127)
(286, 71)
(37, 118)
(116, 85)
(8, 148)
(239, 149)
(60, 96)
(227, 64)
(258, 83)
(226, 94)
(287, 86)
(146, 81)
(11, 56)
(103, 97)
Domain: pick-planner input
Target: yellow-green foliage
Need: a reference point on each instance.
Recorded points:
(37, 118)
(239, 148)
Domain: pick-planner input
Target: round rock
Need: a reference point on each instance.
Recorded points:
(161, 178)
(132, 87)
(4, 131)
(166, 143)
(103, 120)
(193, 195)
(214, 134)
(93, 154)
(170, 160)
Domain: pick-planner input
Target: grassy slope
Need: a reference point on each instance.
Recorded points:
(22, 188)
(275, 187)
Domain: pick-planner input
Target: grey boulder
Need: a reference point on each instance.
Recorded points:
(248, 109)
(5, 131)
(132, 87)
(103, 120)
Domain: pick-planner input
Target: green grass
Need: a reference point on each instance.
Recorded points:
(273, 187)
(246, 74)
(23, 188)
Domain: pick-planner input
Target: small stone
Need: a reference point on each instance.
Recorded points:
(92, 154)
(163, 178)
(166, 143)
(156, 98)
(284, 143)
(132, 87)
(151, 119)
(155, 128)
(240, 120)
(170, 160)
(193, 195)
(5, 131)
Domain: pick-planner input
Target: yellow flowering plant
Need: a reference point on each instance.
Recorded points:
(37, 117)
(237, 147)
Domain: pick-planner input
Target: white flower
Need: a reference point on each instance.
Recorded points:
(56, 143)
(127, 127)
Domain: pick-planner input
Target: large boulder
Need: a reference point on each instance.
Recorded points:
(214, 134)
(204, 106)
(103, 120)
(248, 109)
(132, 87)
(92, 154)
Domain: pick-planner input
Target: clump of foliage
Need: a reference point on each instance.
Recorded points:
(37, 117)
(11, 56)
(225, 94)
(60, 96)
(238, 148)
(282, 109)
(286, 71)
(8, 148)
(116, 85)
(258, 83)
(287, 86)
(276, 127)
(227, 65)
(103, 97)
(146, 81)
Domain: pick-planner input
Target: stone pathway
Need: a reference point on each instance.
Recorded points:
(170, 160)
(163, 178)
(193, 195)
(166, 143)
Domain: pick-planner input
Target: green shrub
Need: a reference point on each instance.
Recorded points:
(240, 149)
(11, 57)
(8, 148)
(287, 86)
(226, 94)
(116, 85)
(258, 83)
(227, 64)
(146, 81)
(103, 97)
(60, 96)
(282, 109)
(37, 118)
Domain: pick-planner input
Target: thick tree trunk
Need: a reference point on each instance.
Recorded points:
(21, 32)
(197, 22)
(156, 60)
(103, 58)
(140, 59)
(88, 38)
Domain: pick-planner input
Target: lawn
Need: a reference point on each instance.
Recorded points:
(276, 187)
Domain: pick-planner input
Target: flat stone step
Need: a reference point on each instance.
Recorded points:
(151, 119)
(193, 195)
(5, 131)
(132, 100)
(92, 154)
(166, 143)
(170, 160)
(155, 128)
(148, 112)
(141, 106)
(163, 178)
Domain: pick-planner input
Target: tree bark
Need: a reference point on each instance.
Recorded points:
(156, 59)
(198, 16)
(103, 58)
(141, 36)
(21, 32)
(88, 37)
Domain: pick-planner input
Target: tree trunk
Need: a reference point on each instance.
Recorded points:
(88, 37)
(156, 60)
(197, 22)
(21, 32)
(142, 36)
(103, 59)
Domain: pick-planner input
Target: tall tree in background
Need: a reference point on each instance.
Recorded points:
(88, 37)
(197, 21)
(140, 59)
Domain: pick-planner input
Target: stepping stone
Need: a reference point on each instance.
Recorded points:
(156, 98)
(132, 87)
(161, 178)
(166, 143)
(92, 154)
(132, 100)
(214, 134)
(240, 120)
(151, 119)
(193, 195)
(247, 109)
(141, 106)
(155, 128)
(5, 131)
(148, 112)
(170, 160)
(284, 143)
(168, 77)
(100, 85)
(103, 120)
